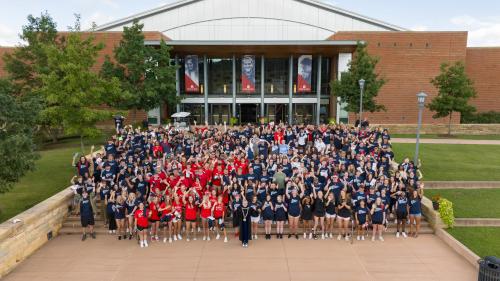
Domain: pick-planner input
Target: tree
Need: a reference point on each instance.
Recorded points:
(17, 124)
(28, 63)
(455, 90)
(75, 94)
(146, 74)
(362, 66)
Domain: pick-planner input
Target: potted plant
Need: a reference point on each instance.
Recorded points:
(233, 121)
(435, 201)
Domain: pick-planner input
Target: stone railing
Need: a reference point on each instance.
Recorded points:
(35, 227)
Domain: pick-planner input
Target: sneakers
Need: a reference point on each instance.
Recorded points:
(217, 237)
(146, 243)
(194, 238)
(289, 235)
(179, 236)
(381, 238)
(199, 229)
(256, 237)
(297, 236)
(120, 237)
(323, 236)
(358, 238)
(93, 235)
(346, 237)
(175, 237)
(331, 235)
(187, 239)
(339, 237)
(130, 236)
(363, 238)
(165, 240)
(204, 238)
(208, 238)
(170, 240)
(305, 235)
(397, 234)
(84, 236)
(404, 234)
(225, 239)
(310, 236)
(373, 238)
(142, 244)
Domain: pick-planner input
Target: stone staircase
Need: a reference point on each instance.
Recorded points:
(72, 225)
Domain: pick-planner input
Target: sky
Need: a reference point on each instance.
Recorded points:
(480, 17)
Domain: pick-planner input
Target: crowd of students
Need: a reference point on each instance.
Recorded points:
(319, 181)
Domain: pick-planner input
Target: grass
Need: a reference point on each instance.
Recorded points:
(436, 136)
(484, 241)
(52, 174)
(454, 162)
(471, 203)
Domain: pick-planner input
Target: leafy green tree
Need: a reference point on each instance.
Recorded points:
(146, 74)
(455, 90)
(74, 94)
(17, 125)
(28, 63)
(362, 66)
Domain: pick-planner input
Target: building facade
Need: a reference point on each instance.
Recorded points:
(276, 59)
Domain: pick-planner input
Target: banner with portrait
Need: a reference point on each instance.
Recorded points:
(191, 74)
(248, 74)
(304, 73)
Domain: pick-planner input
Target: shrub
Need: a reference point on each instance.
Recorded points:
(446, 212)
(490, 117)
(233, 121)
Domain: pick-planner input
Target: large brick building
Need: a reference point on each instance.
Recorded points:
(277, 58)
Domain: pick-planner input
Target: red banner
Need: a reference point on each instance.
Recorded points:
(191, 76)
(248, 74)
(304, 73)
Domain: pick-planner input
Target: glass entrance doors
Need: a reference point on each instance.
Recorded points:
(248, 113)
(304, 113)
(277, 113)
(219, 113)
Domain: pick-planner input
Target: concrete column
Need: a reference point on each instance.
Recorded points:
(177, 82)
(290, 90)
(205, 92)
(262, 87)
(318, 90)
(234, 86)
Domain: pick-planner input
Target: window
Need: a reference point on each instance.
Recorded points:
(220, 76)
(276, 76)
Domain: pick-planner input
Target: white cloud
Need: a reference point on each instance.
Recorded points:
(8, 37)
(481, 32)
(111, 3)
(420, 28)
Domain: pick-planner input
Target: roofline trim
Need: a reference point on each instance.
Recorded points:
(255, 43)
(181, 3)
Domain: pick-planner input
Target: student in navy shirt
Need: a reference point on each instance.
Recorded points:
(268, 215)
(378, 217)
(86, 215)
(402, 209)
(294, 209)
(362, 219)
(416, 210)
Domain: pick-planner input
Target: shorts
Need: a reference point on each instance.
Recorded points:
(416, 215)
(344, 218)
(330, 216)
(292, 216)
(268, 217)
(376, 222)
(87, 220)
(190, 220)
(166, 218)
(255, 219)
(319, 215)
(141, 228)
(221, 223)
(153, 220)
(401, 215)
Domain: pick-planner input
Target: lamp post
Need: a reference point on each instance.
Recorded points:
(421, 104)
(361, 88)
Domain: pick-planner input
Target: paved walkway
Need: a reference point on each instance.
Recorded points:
(67, 258)
(446, 141)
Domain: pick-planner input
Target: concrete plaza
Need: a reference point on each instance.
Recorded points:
(106, 258)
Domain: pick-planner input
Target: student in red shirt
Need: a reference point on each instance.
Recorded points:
(141, 223)
(166, 218)
(154, 218)
(177, 216)
(219, 213)
(206, 212)
(190, 215)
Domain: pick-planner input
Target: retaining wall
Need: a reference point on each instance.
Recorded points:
(36, 227)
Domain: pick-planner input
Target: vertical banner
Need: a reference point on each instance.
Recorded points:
(191, 75)
(248, 74)
(304, 73)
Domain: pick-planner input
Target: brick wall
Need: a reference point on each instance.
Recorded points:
(483, 67)
(408, 60)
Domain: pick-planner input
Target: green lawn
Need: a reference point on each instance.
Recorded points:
(471, 203)
(435, 136)
(52, 174)
(455, 162)
(484, 241)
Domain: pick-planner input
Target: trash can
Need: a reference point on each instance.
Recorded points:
(489, 269)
